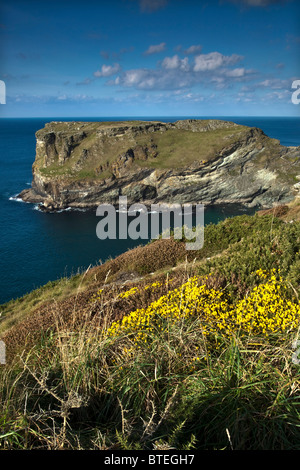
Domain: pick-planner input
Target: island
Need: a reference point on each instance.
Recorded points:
(84, 164)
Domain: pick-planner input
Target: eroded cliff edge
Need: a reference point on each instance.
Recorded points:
(84, 164)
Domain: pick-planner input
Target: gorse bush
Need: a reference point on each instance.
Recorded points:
(266, 310)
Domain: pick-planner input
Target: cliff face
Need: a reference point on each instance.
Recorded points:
(81, 164)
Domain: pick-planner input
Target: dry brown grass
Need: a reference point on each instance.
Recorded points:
(288, 212)
(136, 267)
(277, 211)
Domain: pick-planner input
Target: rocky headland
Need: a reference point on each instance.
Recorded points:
(84, 164)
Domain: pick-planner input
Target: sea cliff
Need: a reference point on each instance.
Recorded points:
(84, 164)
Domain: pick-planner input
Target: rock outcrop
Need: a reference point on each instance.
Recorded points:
(84, 164)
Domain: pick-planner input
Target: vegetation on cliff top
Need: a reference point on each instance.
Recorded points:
(172, 147)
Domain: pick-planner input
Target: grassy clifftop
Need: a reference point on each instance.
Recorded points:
(90, 149)
(162, 348)
(154, 145)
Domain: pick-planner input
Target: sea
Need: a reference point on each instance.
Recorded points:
(37, 247)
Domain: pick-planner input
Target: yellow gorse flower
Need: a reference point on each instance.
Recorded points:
(265, 310)
(134, 290)
(128, 293)
(179, 303)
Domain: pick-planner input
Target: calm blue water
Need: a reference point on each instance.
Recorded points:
(37, 247)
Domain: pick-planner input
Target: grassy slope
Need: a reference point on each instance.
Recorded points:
(247, 392)
(158, 256)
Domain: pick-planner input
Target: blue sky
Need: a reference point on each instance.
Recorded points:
(149, 57)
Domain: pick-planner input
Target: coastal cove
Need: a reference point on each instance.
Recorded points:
(38, 247)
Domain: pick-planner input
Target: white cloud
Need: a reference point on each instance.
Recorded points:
(159, 79)
(269, 89)
(238, 72)
(213, 61)
(284, 95)
(133, 77)
(194, 97)
(107, 70)
(175, 73)
(155, 49)
(275, 83)
(196, 49)
(175, 63)
(219, 82)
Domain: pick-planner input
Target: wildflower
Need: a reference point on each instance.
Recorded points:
(266, 310)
